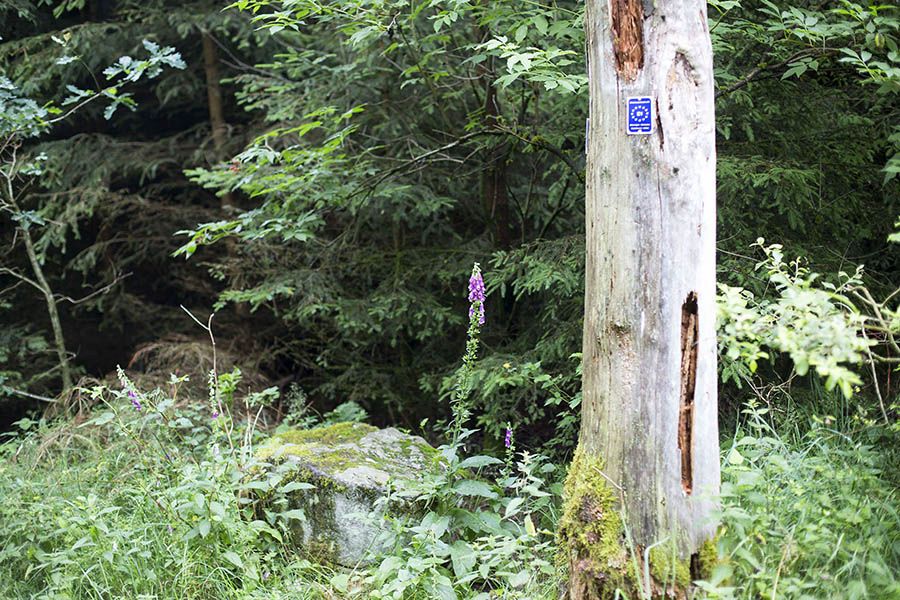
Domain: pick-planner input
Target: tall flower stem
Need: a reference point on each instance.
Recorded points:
(459, 401)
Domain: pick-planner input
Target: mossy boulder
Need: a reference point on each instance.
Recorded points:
(350, 466)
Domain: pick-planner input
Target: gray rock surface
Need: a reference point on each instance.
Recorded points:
(350, 465)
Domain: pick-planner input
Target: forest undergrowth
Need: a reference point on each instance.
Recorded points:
(141, 495)
(95, 508)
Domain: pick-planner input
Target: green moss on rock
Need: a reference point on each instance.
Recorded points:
(332, 448)
(339, 433)
(320, 551)
(350, 466)
(336, 448)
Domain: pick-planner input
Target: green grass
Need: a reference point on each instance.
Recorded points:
(810, 515)
(98, 511)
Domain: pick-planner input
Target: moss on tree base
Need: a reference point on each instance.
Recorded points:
(602, 563)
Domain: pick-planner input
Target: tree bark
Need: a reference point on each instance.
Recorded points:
(214, 103)
(59, 340)
(493, 179)
(40, 281)
(219, 136)
(649, 432)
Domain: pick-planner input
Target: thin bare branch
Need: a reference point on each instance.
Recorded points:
(95, 293)
(22, 278)
(25, 394)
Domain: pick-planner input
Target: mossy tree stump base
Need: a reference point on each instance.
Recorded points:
(603, 561)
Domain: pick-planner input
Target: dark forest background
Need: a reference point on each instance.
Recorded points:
(324, 180)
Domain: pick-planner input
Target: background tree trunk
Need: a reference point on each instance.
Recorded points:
(649, 432)
(59, 340)
(214, 103)
(495, 196)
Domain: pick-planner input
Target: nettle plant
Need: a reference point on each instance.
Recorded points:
(39, 228)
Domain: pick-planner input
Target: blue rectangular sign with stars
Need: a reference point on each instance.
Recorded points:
(640, 116)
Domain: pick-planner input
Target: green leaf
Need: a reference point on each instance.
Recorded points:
(513, 507)
(262, 486)
(735, 457)
(234, 559)
(442, 589)
(470, 487)
(530, 529)
(476, 462)
(521, 32)
(294, 486)
(519, 579)
(264, 527)
(341, 582)
(296, 514)
(217, 509)
(463, 558)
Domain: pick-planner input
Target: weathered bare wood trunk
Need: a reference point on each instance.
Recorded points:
(649, 428)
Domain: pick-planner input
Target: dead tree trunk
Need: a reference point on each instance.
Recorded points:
(643, 483)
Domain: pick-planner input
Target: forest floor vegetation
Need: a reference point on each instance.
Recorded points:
(145, 497)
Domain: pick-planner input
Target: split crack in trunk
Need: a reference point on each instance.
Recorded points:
(689, 335)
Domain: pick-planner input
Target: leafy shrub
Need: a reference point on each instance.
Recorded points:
(473, 538)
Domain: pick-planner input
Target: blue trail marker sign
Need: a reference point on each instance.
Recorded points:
(640, 116)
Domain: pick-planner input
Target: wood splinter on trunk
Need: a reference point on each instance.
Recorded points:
(689, 335)
(627, 18)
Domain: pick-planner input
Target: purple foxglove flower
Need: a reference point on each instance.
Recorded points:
(215, 414)
(476, 294)
(134, 400)
(508, 441)
(476, 286)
